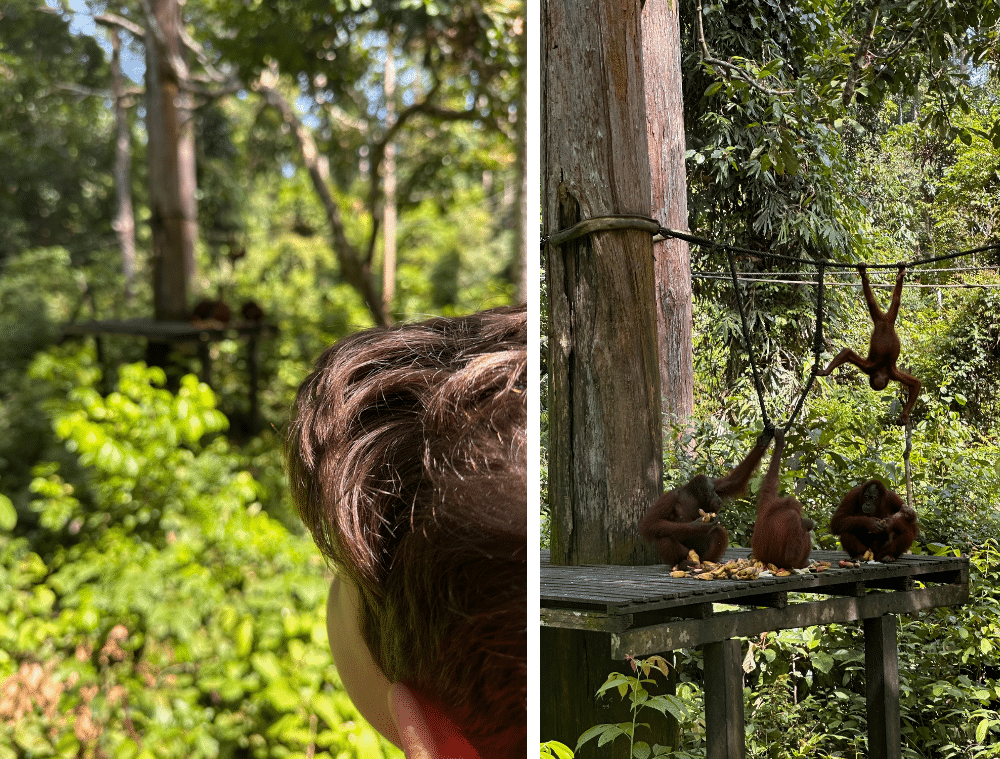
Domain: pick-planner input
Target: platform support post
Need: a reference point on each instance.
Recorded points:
(882, 678)
(724, 700)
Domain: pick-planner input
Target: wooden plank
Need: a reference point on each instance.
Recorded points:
(724, 719)
(633, 589)
(853, 589)
(568, 619)
(772, 600)
(164, 330)
(686, 634)
(882, 685)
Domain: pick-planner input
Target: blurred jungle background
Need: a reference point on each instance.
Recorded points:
(268, 175)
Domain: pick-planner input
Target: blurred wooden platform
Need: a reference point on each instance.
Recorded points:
(202, 333)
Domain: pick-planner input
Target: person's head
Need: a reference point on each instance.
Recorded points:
(407, 460)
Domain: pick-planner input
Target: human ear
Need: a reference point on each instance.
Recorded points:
(425, 732)
(362, 679)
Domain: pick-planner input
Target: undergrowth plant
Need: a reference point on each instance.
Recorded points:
(150, 607)
(634, 688)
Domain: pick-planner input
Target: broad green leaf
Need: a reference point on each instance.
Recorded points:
(8, 514)
(981, 730)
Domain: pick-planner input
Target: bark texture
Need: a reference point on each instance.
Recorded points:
(171, 150)
(661, 51)
(124, 221)
(604, 406)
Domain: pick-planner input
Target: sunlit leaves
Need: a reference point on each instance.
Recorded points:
(202, 627)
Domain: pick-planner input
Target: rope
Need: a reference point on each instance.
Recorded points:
(906, 463)
(817, 346)
(705, 242)
(758, 384)
(660, 233)
(602, 224)
(761, 278)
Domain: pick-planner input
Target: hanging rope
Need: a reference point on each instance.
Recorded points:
(817, 344)
(663, 233)
(660, 233)
(906, 463)
(758, 385)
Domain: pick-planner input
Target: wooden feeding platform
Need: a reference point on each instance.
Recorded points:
(203, 334)
(593, 617)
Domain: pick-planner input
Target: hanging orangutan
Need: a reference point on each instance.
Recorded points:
(883, 351)
(685, 518)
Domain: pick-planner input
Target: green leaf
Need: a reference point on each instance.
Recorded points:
(981, 730)
(267, 665)
(771, 68)
(325, 707)
(557, 749)
(610, 734)
(713, 88)
(615, 680)
(8, 514)
(283, 696)
(595, 731)
(673, 705)
(822, 662)
(243, 637)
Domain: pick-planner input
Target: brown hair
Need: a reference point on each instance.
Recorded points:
(407, 461)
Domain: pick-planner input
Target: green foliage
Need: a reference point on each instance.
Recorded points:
(142, 449)
(454, 258)
(678, 706)
(968, 356)
(56, 150)
(28, 313)
(775, 96)
(808, 685)
(154, 608)
(843, 438)
(555, 749)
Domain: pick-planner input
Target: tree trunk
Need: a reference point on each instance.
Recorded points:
(389, 189)
(519, 243)
(661, 51)
(124, 221)
(172, 183)
(604, 403)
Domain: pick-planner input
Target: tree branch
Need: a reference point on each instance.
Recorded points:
(128, 97)
(203, 59)
(889, 55)
(174, 61)
(113, 19)
(707, 58)
(862, 54)
(318, 168)
(425, 108)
